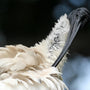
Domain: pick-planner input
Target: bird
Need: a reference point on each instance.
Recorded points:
(39, 67)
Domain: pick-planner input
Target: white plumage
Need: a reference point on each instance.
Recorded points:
(24, 68)
(30, 68)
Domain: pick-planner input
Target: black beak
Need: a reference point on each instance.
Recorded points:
(78, 18)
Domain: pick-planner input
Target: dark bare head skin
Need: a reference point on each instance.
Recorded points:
(77, 18)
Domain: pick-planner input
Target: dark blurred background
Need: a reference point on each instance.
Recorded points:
(29, 21)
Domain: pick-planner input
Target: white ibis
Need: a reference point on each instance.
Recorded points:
(34, 68)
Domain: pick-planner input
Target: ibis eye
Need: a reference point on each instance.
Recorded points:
(76, 16)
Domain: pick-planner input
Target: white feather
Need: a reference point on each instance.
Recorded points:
(29, 68)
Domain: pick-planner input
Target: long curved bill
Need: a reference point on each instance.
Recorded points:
(76, 24)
